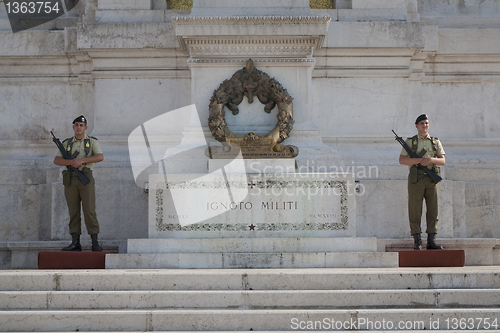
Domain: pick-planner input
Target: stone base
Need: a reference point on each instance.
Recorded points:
(72, 260)
(225, 205)
(431, 258)
(252, 245)
(252, 260)
(205, 253)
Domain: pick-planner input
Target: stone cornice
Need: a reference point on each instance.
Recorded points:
(255, 36)
(239, 61)
(250, 20)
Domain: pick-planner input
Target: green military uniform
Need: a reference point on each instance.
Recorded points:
(75, 192)
(421, 186)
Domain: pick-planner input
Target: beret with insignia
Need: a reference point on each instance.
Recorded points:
(421, 117)
(80, 119)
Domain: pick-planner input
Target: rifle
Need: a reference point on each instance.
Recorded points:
(435, 177)
(84, 179)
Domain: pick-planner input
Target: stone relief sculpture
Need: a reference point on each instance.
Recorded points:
(250, 82)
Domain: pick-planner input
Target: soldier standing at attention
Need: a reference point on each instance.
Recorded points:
(75, 192)
(420, 184)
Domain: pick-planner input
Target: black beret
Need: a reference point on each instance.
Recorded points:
(421, 117)
(80, 119)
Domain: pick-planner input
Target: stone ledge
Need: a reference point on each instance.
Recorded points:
(252, 245)
(254, 299)
(476, 277)
(223, 320)
(152, 35)
(252, 260)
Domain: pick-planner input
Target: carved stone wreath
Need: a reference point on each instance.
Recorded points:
(251, 82)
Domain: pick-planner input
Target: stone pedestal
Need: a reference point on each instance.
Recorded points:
(221, 204)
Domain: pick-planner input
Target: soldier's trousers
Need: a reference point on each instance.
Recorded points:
(76, 193)
(426, 189)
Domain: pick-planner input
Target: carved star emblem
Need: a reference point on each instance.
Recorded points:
(252, 227)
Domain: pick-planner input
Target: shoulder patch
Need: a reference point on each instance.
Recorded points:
(66, 140)
(93, 137)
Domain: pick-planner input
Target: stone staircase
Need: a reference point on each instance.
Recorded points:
(392, 299)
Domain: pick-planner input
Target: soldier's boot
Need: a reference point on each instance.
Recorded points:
(431, 244)
(417, 242)
(75, 244)
(95, 243)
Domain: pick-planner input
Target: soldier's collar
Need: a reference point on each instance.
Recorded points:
(424, 137)
(75, 139)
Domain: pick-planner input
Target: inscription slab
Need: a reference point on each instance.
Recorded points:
(252, 205)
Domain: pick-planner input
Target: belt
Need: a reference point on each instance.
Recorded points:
(73, 174)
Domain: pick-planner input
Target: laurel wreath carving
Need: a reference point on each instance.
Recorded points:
(250, 82)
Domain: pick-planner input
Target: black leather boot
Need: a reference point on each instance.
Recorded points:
(95, 243)
(75, 244)
(431, 244)
(417, 245)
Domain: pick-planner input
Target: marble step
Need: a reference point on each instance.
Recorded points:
(249, 299)
(252, 245)
(366, 331)
(469, 277)
(252, 260)
(245, 320)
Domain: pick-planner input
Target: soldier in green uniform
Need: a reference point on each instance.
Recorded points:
(420, 184)
(75, 192)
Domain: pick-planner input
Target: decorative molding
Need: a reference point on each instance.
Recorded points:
(265, 184)
(250, 20)
(263, 47)
(265, 51)
(271, 36)
(188, 4)
(246, 41)
(242, 61)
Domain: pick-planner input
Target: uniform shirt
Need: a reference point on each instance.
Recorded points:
(80, 146)
(425, 143)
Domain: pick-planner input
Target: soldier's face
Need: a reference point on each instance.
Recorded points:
(79, 128)
(423, 127)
